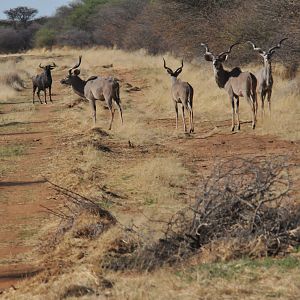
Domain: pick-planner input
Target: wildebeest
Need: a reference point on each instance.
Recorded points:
(43, 81)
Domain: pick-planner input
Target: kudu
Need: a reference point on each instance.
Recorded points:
(264, 75)
(95, 88)
(235, 82)
(182, 92)
(42, 82)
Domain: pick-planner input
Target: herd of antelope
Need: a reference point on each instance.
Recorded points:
(235, 82)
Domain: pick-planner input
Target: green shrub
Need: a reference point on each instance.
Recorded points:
(45, 37)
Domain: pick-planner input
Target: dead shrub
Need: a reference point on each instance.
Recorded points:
(77, 291)
(243, 209)
(80, 216)
(13, 80)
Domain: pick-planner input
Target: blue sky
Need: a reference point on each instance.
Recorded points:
(45, 7)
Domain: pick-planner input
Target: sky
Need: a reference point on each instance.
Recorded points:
(45, 7)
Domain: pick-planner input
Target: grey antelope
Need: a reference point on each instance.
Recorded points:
(235, 82)
(264, 75)
(42, 82)
(95, 88)
(182, 92)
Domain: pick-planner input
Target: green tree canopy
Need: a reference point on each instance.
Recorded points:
(21, 14)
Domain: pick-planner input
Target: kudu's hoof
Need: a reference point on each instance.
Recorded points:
(232, 129)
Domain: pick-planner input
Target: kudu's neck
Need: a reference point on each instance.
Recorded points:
(221, 76)
(78, 86)
(174, 80)
(267, 71)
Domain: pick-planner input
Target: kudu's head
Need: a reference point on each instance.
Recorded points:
(176, 73)
(267, 55)
(73, 73)
(217, 60)
(48, 68)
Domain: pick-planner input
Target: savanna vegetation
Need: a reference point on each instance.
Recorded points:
(144, 211)
(160, 26)
(119, 223)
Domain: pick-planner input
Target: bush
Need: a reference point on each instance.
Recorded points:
(77, 38)
(10, 40)
(45, 38)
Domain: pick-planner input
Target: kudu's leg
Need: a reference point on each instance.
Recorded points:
(262, 98)
(269, 100)
(183, 119)
(176, 111)
(93, 108)
(233, 113)
(120, 110)
(112, 112)
(237, 105)
(192, 120)
(252, 101)
(256, 104)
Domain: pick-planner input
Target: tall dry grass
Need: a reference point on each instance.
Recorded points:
(148, 181)
(11, 80)
(210, 103)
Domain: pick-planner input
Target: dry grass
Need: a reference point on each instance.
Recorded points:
(149, 178)
(210, 103)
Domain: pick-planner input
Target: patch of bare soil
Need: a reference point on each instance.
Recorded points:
(23, 190)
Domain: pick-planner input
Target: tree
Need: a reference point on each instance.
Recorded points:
(45, 37)
(21, 14)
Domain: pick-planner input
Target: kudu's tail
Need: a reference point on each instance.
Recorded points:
(253, 91)
(117, 93)
(190, 97)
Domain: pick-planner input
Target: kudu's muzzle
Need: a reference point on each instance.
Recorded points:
(64, 81)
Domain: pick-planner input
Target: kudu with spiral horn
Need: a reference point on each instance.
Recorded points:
(95, 88)
(182, 93)
(235, 82)
(264, 75)
(43, 81)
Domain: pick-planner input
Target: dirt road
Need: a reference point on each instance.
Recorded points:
(26, 148)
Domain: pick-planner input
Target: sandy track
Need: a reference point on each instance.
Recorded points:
(22, 191)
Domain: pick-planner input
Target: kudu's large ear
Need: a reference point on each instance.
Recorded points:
(208, 57)
(223, 58)
(76, 72)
